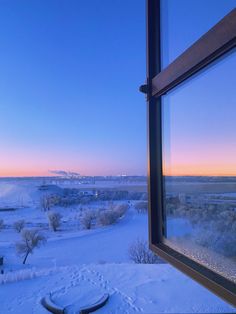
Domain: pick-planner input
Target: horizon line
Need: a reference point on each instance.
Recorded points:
(116, 175)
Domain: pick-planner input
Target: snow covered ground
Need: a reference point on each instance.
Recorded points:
(132, 289)
(77, 266)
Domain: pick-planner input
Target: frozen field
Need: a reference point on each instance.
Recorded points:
(78, 265)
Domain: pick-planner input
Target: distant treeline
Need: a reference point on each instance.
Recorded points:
(120, 195)
(208, 179)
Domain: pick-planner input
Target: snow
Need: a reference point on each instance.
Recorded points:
(78, 266)
(132, 288)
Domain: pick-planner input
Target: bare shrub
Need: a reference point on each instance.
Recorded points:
(87, 219)
(1, 224)
(107, 217)
(141, 254)
(30, 239)
(54, 220)
(141, 207)
(19, 225)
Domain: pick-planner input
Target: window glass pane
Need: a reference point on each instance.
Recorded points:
(184, 21)
(199, 153)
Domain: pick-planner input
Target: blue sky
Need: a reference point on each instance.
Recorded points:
(199, 115)
(70, 72)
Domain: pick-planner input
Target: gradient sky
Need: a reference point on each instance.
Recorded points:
(200, 123)
(70, 71)
(199, 116)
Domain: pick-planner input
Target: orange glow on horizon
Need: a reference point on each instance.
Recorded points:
(199, 159)
(199, 170)
(23, 173)
(174, 170)
(183, 161)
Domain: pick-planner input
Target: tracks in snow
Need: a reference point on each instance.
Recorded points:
(89, 276)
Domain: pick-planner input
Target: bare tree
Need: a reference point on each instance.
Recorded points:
(54, 220)
(30, 239)
(141, 254)
(19, 225)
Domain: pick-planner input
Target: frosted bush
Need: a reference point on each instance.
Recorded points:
(141, 207)
(215, 229)
(87, 219)
(19, 225)
(1, 224)
(25, 274)
(111, 215)
(121, 209)
(107, 217)
(54, 220)
(45, 202)
(140, 253)
(17, 276)
(214, 225)
(221, 242)
(48, 201)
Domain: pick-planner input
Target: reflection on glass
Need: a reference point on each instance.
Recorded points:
(199, 153)
(185, 21)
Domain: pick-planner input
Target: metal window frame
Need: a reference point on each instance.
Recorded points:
(213, 44)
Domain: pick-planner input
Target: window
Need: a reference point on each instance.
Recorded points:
(199, 168)
(183, 22)
(192, 169)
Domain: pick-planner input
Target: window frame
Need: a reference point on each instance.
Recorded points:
(219, 40)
